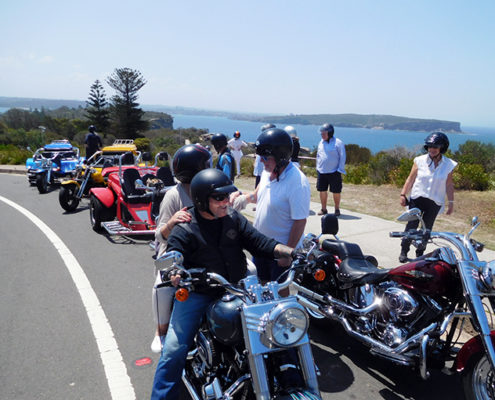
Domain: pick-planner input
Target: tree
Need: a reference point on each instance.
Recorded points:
(127, 117)
(97, 107)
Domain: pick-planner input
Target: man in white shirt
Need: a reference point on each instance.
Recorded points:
(282, 198)
(330, 165)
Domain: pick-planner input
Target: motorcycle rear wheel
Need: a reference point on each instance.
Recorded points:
(42, 183)
(98, 213)
(67, 197)
(478, 379)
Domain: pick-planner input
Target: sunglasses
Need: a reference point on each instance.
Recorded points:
(265, 158)
(219, 196)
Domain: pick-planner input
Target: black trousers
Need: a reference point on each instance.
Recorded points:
(430, 211)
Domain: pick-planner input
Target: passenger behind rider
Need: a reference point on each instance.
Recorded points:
(187, 162)
(214, 239)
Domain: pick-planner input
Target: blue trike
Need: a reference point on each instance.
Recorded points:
(52, 162)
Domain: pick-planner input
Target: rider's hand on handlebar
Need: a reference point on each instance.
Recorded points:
(175, 279)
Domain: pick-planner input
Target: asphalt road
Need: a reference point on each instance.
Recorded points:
(47, 345)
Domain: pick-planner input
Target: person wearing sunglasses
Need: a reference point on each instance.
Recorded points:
(282, 199)
(214, 239)
(429, 181)
(187, 162)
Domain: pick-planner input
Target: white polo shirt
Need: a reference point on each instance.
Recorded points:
(431, 181)
(281, 202)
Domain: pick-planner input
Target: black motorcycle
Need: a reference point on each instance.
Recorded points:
(253, 344)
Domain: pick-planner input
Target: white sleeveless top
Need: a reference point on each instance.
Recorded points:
(431, 181)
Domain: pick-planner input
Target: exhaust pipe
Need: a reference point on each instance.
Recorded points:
(370, 341)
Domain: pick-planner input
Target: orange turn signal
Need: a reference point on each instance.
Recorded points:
(319, 275)
(182, 294)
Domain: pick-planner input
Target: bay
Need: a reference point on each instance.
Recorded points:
(309, 135)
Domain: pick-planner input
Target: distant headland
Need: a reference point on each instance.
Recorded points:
(374, 121)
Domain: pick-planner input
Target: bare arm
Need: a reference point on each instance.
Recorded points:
(408, 184)
(450, 194)
(295, 234)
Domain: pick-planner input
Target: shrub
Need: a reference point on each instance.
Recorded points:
(13, 155)
(356, 154)
(471, 177)
(357, 174)
(399, 175)
(473, 152)
(142, 144)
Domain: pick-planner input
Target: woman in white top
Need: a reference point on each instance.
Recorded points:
(430, 181)
(236, 144)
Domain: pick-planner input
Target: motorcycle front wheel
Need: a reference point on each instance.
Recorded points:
(478, 379)
(67, 197)
(42, 183)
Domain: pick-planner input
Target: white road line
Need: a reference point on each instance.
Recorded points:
(119, 382)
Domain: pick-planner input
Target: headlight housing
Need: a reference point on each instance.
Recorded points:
(285, 325)
(488, 276)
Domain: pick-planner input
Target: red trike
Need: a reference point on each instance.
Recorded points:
(130, 203)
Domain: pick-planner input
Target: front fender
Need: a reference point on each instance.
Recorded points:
(71, 182)
(471, 347)
(105, 195)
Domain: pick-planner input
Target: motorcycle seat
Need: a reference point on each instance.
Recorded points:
(129, 191)
(355, 268)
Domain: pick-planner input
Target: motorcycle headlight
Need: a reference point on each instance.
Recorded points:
(286, 325)
(488, 275)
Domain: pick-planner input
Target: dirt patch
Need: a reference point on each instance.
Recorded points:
(383, 201)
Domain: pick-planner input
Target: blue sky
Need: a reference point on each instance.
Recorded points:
(427, 59)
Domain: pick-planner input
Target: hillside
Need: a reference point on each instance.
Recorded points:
(389, 122)
(373, 121)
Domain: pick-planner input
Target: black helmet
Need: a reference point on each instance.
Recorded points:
(437, 139)
(218, 140)
(267, 126)
(237, 134)
(277, 143)
(207, 182)
(92, 128)
(328, 128)
(189, 160)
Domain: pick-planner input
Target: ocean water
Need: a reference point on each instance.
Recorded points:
(309, 135)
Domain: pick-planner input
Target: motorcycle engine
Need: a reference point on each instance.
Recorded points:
(206, 349)
(399, 302)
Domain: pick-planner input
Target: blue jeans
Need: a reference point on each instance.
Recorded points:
(184, 324)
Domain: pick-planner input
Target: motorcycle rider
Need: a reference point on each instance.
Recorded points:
(225, 160)
(187, 162)
(92, 141)
(429, 181)
(214, 239)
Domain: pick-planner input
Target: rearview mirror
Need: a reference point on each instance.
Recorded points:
(410, 215)
(169, 259)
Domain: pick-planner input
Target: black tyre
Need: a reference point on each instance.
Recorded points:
(42, 183)
(67, 197)
(478, 378)
(98, 213)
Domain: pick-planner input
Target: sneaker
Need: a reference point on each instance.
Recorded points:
(156, 344)
(323, 211)
(337, 212)
(403, 257)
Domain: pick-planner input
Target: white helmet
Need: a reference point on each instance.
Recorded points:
(291, 130)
